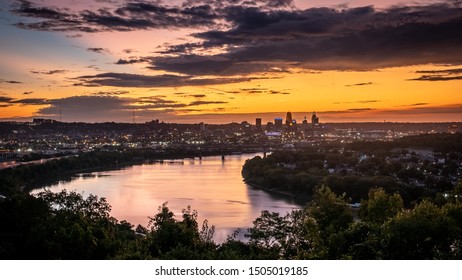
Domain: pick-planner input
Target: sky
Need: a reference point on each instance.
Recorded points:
(231, 61)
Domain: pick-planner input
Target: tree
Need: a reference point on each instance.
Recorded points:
(380, 206)
(424, 232)
(23, 219)
(332, 215)
(360, 241)
(292, 236)
(172, 239)
(331, 212)
(60, 225)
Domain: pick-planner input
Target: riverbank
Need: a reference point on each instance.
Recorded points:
(300, 200)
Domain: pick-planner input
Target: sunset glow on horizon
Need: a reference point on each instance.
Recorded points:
(230, 61)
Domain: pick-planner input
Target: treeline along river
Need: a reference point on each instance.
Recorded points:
(212, 186)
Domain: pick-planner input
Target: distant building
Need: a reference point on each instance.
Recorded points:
(278, 123)
(314, 120)
(291, 124)
(258, 123)
(245, 125)
(6, 154)
(40, 121)
(289, 120)
(304, 125)
(202, 126)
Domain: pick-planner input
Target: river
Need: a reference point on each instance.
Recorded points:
(212, 186)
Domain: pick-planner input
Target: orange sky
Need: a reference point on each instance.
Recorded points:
(190, 62)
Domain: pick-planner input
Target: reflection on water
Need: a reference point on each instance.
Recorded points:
(211, 186)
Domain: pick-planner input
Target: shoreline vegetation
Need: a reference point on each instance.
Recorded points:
(301, 202)
(393, 221)
(417, 167)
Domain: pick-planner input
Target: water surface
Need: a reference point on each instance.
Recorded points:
(211, 186)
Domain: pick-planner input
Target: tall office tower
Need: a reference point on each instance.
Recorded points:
(314, 120)
(289, 121)
(304, 126)
(258, 123)
(278, 123)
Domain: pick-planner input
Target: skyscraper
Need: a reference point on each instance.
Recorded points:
(258, 123)
(314, 120)
(278, 123)
(291, 124)
(289, 121)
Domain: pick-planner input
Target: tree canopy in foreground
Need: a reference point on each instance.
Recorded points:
(66, 225)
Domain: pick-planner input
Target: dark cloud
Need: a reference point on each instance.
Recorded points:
(24, 101)
(278, 92)
(115, 108)
(436, 78)
(31, 101)
(57, 25)
(51, 72)
(132, 60)
(93, 67)
(11, 82)
(27, 9)
(445, 71)
(4, 99)
(27, 92)
(133, 80)
(247, 3)
(186, 48)
(368, 101)
(110, 93)
(97, 50)
(360, 101)
(360, 109)
(95, 107)
(360, 84)
(324, 39)
(49, 18)
(259, 90)
(198, 95)
(203, 102)
(439, 75)
(252, 90)
(222, 65)
(124, 17)
(146, 15)
(155, 100)
(273, 36)
(418, 104)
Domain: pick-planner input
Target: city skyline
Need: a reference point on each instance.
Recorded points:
(231, 61)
